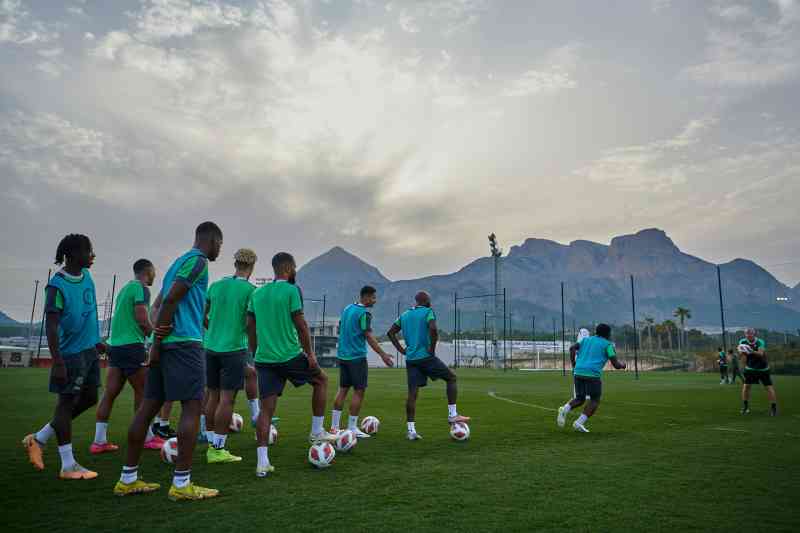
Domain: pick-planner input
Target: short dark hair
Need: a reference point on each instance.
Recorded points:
(603, 330)
(71, 245)
(208, 229)
(368, 290)
(719, 348)
(280, 260)
(141, 265)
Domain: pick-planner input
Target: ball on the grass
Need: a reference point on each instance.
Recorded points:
(273, 435)
(169, 451)
(346, 441)
(745, 348)
(237, 423)
(459, 431)
(370, 425)
(321, 454)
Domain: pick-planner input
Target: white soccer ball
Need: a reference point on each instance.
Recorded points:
(459, 431)
(346, 440)
(273, 435)
(745, 348)
(370, 425)
(237, 423)
(321, 454)
(169, 451)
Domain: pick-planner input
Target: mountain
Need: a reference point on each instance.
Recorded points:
(596, 285)
(6, 320)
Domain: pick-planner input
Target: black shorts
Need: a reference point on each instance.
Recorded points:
(179, 375)
(420, 370)
(128, 358)
(225, 370)
(272, 376)
(83, 371)
(754, 377)
(591, 387)
(353, 373)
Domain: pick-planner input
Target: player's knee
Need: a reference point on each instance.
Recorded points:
(451, 378)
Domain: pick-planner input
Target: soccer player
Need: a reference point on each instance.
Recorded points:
(734, 367)
(278, 335)
(355, 332)
(73, 336)
(756, 370)
(126, 354)
(226, 351)
(588, 364)
(177, 367)
(723, 366)
(418, 325)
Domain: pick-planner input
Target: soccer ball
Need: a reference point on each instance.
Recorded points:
(370, 425)
(345, 441)
(169, 451)
(745, 348)
(321, 454)
(273, 435)
(459, 431)
(237, 422)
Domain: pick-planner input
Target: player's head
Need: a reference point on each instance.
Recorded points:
(603, 330)
(719, 348)
(750, 333)
(730, 351)
(75, 250)
(144, 271)
(208, 238)
(244, 260)
(368, 296)
(284, 266)
(423, 299)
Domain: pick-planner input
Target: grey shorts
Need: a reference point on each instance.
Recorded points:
(272, 376)
(179, 375)
(128, 358)
(353, 373)
(420, 370)
(83, 372)
(225, 370)
(591, 387)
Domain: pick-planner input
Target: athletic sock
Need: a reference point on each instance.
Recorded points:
(582, 419)
(352, 422)
(412, 427)
(181, 478)
(451, 410)
(163, 423)
(219, 441)
(254, 408)
(100, 432)
(567, 407)
(67, 460)
(336, 418)
(263, 456)
(774, 407)
(317, 423)
(202, 422)
(745, 404)
(210, 436)
(44, 434)
(157, 421)
(150, 434)
(129, 474)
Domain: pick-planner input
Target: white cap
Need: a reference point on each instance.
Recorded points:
(582, 334)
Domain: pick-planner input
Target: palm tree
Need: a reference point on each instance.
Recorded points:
(682, 314)
(650, 321)
(669, 327)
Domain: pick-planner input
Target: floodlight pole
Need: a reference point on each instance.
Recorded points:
(554, 339)
(33, 311)
(563, 333)
(111, 310)
(324, 307)
(396, 351)
(635, 332)
(722, 311)
(41, 327)
(455, 329)
(505, 330)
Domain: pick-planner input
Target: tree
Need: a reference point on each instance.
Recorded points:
(649, 321)
(682, 314)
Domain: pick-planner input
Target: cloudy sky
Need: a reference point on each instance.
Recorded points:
(403, 130)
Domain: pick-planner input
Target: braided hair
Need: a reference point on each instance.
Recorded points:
(71, 245)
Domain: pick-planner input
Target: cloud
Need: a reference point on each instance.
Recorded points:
(164, 19)
(19, 27)
(553, 74)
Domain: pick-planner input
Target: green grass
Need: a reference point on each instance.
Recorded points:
(669, 452)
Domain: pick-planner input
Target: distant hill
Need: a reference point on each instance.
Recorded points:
(6, 320)
(597, 285)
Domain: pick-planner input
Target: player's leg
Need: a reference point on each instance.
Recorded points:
(722, 372)
(213, 371)
(129, 482)
(594, 388)
(115, 381)
(434, 368)
(87, 372)
(211, 405)
(319, 397)
(766, 380)
(580, 393)
(748, 378)
(411, 412)
(251, 389)
(358, 379)
(137, 380)
(161, 425)
(231, 381)
(338, 404)
(271, 381)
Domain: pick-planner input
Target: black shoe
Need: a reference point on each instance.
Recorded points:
(165, 432)
(773, 412)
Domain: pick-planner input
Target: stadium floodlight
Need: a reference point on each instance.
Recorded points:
(782, 299)
(493, 248)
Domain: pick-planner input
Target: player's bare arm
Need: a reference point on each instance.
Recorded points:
(304, 336)
(573, 353)
(205, 314)
(433, 331)
(165, 316)
(51, 330)
(373, 343)
(392, 334)
(143, 320)
(616, 363)
(252, 338)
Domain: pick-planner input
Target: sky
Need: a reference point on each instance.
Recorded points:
(404, 131)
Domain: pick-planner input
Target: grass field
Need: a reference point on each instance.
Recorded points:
(669, 452)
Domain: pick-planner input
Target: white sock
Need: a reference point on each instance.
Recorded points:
(336, 418)
(129, 474)
(582, 419)
(44, 434)
(163, 423)
(352, 422)
(451, 410)
(157, 420)
(202, 422)
(210, 436)
(67, 460)
(100, 432)
(317, 423)
(412, 427)
(567, 408)
(254, 408)
(181, 478)
(150, 434)
(263, 456)
(219, 441)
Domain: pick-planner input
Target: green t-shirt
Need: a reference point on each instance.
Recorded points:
(124, 327)
(227, 315)
(272, 306)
